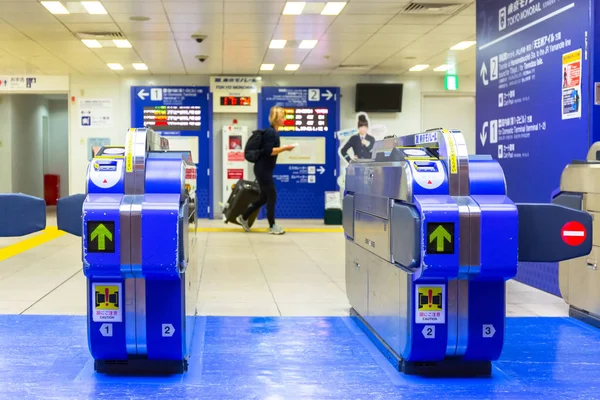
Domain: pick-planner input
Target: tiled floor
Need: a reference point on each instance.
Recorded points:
(298, 274)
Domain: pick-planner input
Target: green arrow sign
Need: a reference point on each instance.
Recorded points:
(440, 238)
(100, 237)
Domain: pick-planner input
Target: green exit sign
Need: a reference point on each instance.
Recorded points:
(451, 82)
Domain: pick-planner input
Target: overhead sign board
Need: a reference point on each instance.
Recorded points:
(34, 83)
(235, 94)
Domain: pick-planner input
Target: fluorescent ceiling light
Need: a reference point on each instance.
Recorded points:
(140, 66)
(419, 67)
(333, 8)
(92, 43)
(115, 66)
(277, 44)
(292, 67)
(442, 68)
(308, 44)
(267, 67)
(463, 45)
(94, 7)
(122, 43)
(55, 7)
(294, 7)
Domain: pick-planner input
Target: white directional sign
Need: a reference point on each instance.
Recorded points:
(429, 331)
(494, 131)
(314, 94)
(483, 133)
(328, 95)
(168, 330)
(489, 331)
(321, 170)
(483, 73)
(106, 330)
(142, 94)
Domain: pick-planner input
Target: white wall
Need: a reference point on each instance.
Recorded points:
(27, 144)
(118, 89)
(5, 145)
(57, 152)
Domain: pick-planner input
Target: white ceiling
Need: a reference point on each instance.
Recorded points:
(367, 32)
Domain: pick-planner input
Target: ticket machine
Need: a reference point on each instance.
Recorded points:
(432, 237)
(139, 256)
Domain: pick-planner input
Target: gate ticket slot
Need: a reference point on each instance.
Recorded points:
(142, 292)
(431, 239)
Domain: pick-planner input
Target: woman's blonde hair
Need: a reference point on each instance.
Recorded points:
(276, 114)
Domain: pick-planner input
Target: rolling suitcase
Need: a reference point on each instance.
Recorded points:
(243, 194)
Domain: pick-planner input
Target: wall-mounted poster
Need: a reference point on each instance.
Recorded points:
(357, 143)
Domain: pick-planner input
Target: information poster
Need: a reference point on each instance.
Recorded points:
(96, 113)
(303, 175)
(235, 166)
(532, 95)
(184, 113)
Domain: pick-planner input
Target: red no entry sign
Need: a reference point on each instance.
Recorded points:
(573, 233)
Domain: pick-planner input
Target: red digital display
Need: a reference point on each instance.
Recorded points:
(236, 101)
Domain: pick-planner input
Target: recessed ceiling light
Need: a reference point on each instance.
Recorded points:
(92, 43)
(94, 7)
(419, 67)
(122, 43)
(292, 67)
(267, 67)
(294, 7)
(442, 68)
(277, 44)
(115, 66)
(140, 66)
(55, 7)
(463, 45)
(308, 44)
(333, 8)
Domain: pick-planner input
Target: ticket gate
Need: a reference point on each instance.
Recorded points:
(579, 279)
(431, 239)
(139, 256)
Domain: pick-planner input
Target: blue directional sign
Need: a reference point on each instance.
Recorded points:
(180, 111)
(533, 90)
(304, 175)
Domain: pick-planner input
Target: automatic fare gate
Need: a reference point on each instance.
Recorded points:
(431, 239)
(139, 256)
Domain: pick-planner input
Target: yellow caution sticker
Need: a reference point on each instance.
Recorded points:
(430, 304)
(106, 302)
(129, 151)
(452, 150)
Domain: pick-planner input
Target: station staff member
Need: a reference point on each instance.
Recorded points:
(361, 144)
(263, 171)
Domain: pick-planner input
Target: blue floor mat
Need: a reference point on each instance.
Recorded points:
(46, 357)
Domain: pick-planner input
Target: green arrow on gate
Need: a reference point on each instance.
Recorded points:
(440, 234)
(102, 233)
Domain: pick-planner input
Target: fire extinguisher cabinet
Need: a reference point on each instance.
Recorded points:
(51, 189)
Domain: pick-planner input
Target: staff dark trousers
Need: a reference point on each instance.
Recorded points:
(268, 196)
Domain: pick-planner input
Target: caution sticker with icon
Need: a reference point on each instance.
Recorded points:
(106, 302)
(429, 304)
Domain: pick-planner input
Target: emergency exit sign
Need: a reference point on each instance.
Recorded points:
(451, 82)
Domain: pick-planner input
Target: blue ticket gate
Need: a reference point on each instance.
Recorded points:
(21, 214)
(139, 256)
(431, 239)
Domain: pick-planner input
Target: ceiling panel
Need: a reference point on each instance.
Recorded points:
(160, 18)
(139, 8)
(206, 29)
(250, 28)
(378, 19)
(418, 19)
(107, 27)
(195, 18)
(253, 7)
(21, 7)
(133, 36)
(390, 8)
(83, 18)
(145, 27)
(393, 41)
(193, 7)
(114, 55)
(393, 28)
(356, 30)
(299, 32)
(251, 19)
(289, 56)
(39, 17)
(306, 19)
